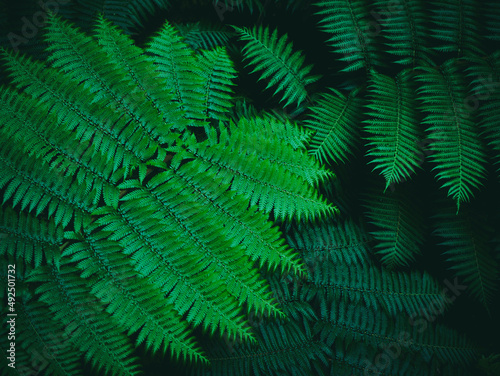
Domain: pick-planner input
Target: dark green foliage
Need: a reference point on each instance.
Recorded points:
(399, 224)
(459, 153)
(129, 15)
(165, 213)
(204, 37)
(469, 248)
(456, 26)
(393, 127)
(334, 119)
(141, 238)
(277, 61)
(347, 24)
(404, 26)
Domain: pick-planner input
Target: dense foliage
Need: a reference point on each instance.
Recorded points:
(208, 189)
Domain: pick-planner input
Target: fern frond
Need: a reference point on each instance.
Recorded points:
(218, 74)
(283, 348)
(79, 57)
(252, 230)
(399, 223)
(28, 183)
(354, 323)
(133, 301)
(175, 62)
(79, 111)
(491, 12)
(275, 126)
(201, 36)
(404, 25)
(485, 77)
(124, 54)
(346, 22)
(466, 237)
(456, 27)
(210, 293)
(278, 64)
(393, 126)
(26, 237)
(267, 184)
(335, 118)
(43, 345)
(44, 138)
(340, 267)
(70, 301)
(266, 131)
(458, 151)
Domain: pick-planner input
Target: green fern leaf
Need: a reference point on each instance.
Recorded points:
(44, 138)
(175, 62)
(28, 183)
(71, 304)
(458, 151)
(456, 27)
(123, 53)
(218, 73)
(278, 64)
(25, 237)
(485, 76)
(338, 259)
(266, 183)
(335, 118)
(79, 112)
(131, 300)
(399, 223)
(393, 127)
(404, 25)
(346, 22)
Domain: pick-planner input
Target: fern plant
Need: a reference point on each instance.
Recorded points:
(165, 212)
(107, 174)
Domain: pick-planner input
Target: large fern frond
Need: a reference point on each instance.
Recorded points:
(278, 63)
(175, 62)
(335, 118)
(28, 183)
(393, 126)
(453, 133)
(123, 53)
(79, 112)
(361, 305)
(133, 301)
(338, 258)
(267, 183)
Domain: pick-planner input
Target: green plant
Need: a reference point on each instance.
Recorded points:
(161, 199)
(116, 151)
